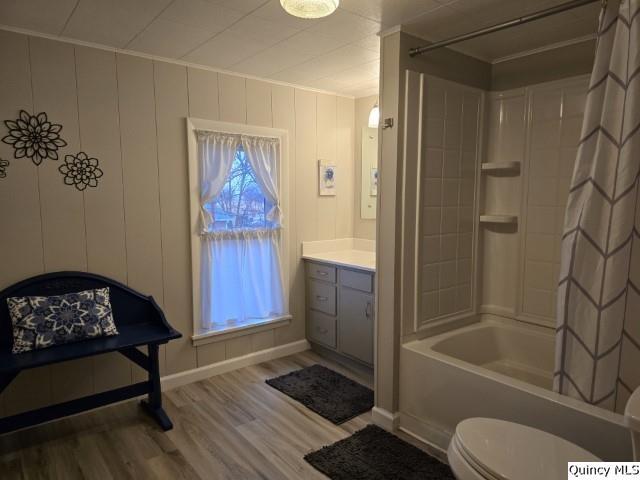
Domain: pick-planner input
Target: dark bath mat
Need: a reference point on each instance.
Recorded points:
(374, 454)
(329, 394)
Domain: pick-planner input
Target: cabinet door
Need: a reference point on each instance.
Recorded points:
(355, 324)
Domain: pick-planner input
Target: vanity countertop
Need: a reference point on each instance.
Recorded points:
(359, 259)
(344, 252)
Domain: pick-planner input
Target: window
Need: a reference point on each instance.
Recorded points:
(241, 204)
(238, 241)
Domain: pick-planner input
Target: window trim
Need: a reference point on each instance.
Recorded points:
(199, 335)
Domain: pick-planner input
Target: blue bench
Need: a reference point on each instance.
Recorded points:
(140, 322)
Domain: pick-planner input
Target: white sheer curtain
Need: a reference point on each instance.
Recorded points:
(216, 152)
(241, 273)
(263, 156)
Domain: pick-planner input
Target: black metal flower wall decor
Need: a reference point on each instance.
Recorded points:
(3, 167)
(34, 137)
(80, 171)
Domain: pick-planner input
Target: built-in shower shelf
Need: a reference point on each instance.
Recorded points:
(503, 219)
(497, 167)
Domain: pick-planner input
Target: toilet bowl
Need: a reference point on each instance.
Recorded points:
(492, 449)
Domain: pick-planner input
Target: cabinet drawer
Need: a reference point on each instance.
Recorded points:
(322, 329)
(322, 297)
(356, 280)
(321, 272)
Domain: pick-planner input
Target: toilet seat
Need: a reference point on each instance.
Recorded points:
(491, 449)
(464, 468)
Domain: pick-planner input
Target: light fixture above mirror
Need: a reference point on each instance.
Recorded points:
(310, 8)
(374, 116)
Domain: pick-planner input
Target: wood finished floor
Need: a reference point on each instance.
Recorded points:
(232, 426)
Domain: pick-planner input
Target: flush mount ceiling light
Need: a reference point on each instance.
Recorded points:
(310, 8)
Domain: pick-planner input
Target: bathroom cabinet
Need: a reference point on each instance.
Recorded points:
(340, 310)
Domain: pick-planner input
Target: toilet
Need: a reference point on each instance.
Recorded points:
(492, 449)
(487, 448)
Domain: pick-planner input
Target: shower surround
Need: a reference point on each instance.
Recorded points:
(487, 349)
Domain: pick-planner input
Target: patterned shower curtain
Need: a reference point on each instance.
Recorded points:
(598, 331)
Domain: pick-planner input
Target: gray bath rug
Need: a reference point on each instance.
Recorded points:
(329, 394)
(374, 454)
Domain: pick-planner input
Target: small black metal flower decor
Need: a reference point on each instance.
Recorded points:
(81, 171)
(3, 167)
(34, 137)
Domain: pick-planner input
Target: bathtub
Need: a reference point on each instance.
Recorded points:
(499, 370)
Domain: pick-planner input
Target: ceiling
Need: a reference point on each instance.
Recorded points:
(339, 53)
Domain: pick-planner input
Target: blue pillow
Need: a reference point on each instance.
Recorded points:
(42, 322)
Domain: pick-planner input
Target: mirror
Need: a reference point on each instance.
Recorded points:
(369, 174)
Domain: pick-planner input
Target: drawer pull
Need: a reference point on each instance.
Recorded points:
(322, 273)
(320, 298)
(322, 331)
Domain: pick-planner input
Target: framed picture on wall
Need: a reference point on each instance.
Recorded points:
(326, 178)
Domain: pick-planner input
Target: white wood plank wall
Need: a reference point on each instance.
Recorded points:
(129, 112)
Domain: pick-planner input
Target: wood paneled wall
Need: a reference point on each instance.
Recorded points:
(129, 112)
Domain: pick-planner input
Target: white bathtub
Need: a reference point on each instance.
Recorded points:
(498, 370)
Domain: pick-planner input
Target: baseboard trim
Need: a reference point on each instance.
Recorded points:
(385, 419)
(423, 440)
(201, 373)
(424, 432)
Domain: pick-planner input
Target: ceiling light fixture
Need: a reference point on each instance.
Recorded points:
(310, 8)
(374, 116)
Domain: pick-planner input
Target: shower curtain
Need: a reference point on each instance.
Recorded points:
(598, 330)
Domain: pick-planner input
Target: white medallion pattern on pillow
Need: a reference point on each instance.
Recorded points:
(42, 322)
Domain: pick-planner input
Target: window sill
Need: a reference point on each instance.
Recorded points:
(226, 333)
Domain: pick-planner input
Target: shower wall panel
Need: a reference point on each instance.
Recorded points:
(538, 126)
(501, 193)
(556, 121)
(448, 198)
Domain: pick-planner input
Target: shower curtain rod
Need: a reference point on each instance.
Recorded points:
(502, 26)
